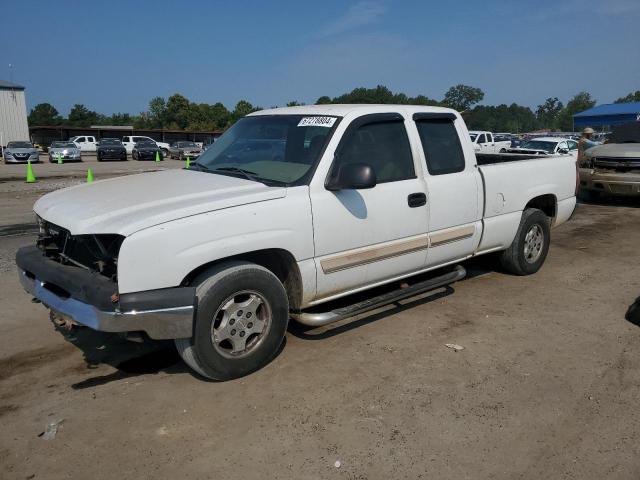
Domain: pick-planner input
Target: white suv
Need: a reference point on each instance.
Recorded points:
(130, 141)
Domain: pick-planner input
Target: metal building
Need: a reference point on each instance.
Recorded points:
(13, 113)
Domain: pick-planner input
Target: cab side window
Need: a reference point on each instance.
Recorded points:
(482, 139)
(441, 146)
(383, 145)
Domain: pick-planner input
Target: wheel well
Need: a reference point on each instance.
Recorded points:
(279, 262)
(546, 203)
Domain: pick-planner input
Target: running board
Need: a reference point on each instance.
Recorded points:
(318, 319)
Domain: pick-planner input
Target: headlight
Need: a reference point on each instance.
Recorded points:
(40, 224)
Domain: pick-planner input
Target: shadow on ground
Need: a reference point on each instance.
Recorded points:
(130, 359)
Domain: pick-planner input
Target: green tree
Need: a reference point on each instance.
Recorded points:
(177, 111)
(632, 97)
(547, 113)
(120, 119)
(241, 109)
(462, 97)
(579, 103)
(379, 94)
(501, 118)
(81, 116)
(44, 114)
(294, 103)
(157, 112)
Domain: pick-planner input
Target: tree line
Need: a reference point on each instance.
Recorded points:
(178, 112)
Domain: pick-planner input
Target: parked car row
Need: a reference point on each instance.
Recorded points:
(177, 149)
(140, 148)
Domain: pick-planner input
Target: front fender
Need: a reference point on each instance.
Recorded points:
(163, 255)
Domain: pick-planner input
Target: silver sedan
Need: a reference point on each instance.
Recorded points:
(20, 152)
(66, 151)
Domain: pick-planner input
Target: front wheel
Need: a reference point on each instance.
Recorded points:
(165, 153)
(529, 248)
(241, 321)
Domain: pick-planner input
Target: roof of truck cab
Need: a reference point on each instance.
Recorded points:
(342, 110)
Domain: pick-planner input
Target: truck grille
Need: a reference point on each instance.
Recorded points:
(621, 163)
(97, 253)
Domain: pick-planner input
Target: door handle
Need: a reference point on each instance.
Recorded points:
(417, 200)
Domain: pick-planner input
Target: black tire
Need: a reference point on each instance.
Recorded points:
(165, 153)
(214, 289)
(98, 158)
(134, 156)
(520, 258)
(503, 150)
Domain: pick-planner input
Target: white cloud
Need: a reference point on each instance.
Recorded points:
(365, 12)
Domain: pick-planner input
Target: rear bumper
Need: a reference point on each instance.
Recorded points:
(612, 183)
(85, 298)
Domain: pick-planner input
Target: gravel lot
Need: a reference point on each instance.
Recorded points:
(547, 385)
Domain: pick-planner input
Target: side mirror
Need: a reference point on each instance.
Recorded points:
(352, 176)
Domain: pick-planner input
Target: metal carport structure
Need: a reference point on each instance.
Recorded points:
(607, 115)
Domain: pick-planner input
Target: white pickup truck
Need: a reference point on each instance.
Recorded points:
(291, 209)
(483, 142)
(130, 141)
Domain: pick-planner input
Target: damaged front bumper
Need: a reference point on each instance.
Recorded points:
(612, 183)
(91, 299)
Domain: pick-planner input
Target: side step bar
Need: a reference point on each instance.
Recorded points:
(318, 319)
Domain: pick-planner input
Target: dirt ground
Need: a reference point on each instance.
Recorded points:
(547, 385)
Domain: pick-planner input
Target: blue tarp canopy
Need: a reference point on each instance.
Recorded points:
(608, 114)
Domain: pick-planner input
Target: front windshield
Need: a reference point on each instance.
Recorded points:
(109, 141)
(19, 145)
(63, 145)
(281, 149)
(146, 144)
(473, 136)
(188, 144)
(548, 147)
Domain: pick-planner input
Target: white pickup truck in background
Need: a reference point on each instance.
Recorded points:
(483, 142)
(130, 141)
(86, 143)
(290, 210)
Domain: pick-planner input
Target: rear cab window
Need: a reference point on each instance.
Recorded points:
(441, 145)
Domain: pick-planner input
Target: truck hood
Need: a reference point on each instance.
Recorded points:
(616, 150)
(128, 204)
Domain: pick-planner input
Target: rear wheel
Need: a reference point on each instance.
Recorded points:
(241, 320)
(529, 248)
(165, 153)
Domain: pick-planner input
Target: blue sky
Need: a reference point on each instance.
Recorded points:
(115, 56)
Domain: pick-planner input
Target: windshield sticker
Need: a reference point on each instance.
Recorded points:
(317, 122)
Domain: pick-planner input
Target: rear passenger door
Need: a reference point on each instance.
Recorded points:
(454, 188)
(370, 235)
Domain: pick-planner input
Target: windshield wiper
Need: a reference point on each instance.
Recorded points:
(248, 174)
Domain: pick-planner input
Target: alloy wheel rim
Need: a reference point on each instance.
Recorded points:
(533, 244)
(240, 324)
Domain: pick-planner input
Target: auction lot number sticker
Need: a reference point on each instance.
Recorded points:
(317, 122)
